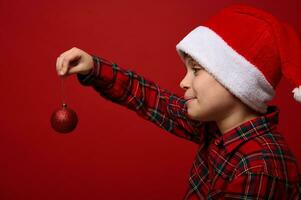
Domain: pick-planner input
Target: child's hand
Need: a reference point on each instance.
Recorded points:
(74, 61)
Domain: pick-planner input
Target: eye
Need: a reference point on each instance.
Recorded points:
(195, 69)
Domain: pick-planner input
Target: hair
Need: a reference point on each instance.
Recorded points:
(185, 54)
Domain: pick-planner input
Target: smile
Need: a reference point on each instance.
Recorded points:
(190, 99)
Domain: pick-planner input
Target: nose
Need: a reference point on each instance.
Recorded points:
(184, 83)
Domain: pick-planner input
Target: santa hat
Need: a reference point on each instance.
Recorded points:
(247, 50)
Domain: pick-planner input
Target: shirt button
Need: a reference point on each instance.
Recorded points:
(218, 142)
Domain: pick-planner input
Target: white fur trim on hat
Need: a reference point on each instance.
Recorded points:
(297, 94)
(238, 75)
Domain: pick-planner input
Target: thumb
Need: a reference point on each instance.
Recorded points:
(68, 62)
(76, 69)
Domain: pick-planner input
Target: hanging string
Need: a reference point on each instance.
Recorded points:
(62, 91)
(72, 63)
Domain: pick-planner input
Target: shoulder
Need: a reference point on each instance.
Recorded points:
(267, 154)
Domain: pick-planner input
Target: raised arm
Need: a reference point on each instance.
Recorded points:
(129, 89)
(146, 98)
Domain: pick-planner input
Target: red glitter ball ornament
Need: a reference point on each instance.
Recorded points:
(64, 119)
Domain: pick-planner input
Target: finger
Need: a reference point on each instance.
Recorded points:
(68, 60)
(60, 65)
(74, 70)
(68, 51)
(64, 66)
(57, 65)
(62, 56)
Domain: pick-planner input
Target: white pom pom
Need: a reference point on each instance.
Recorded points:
(297, 94)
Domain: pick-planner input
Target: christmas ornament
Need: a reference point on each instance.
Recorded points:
(63, 119)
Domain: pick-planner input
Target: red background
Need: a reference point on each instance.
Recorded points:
(112, 154)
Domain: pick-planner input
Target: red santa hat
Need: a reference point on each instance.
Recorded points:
(247, 50)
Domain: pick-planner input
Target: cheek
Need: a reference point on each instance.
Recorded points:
(219, 98)
(201, 88)
(209, 92)
(198, 90)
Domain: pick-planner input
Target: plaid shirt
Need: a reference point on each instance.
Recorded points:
(251, 161)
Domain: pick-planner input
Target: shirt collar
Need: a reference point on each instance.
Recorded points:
(250, 129)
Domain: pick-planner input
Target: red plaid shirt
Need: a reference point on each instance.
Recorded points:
(251, 161)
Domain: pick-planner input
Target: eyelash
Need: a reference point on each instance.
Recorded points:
(195, 70)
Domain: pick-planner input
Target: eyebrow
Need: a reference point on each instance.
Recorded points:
(191, 61)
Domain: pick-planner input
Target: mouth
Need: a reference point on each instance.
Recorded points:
(188, 100)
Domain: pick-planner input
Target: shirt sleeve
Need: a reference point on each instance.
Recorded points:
(250, 185)
(146, 98)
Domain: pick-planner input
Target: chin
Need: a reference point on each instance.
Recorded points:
(198, 115)
(193, 115)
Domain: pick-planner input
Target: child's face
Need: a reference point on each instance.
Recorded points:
(211, 101)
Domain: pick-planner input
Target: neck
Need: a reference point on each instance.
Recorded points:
(235, 118)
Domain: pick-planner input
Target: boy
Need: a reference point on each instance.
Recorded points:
(234, 63)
